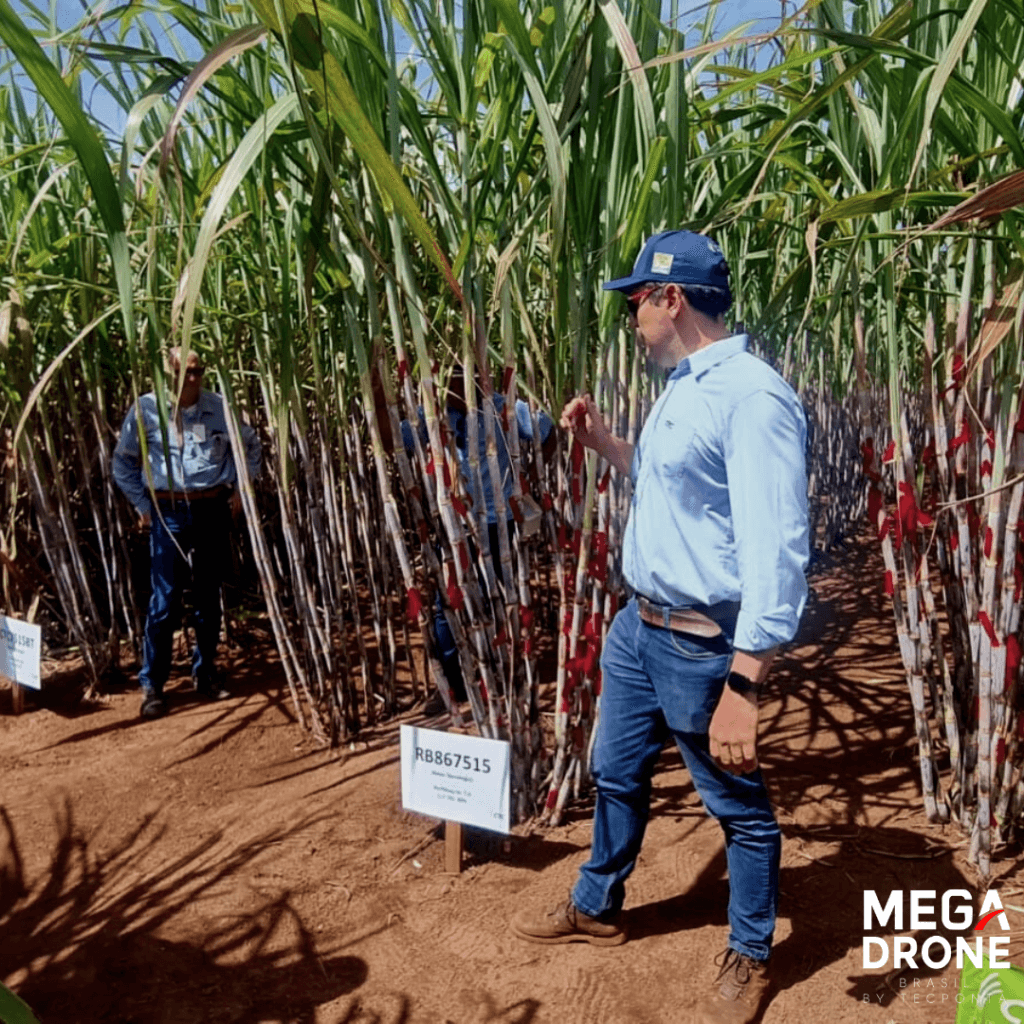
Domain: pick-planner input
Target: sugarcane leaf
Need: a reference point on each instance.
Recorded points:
(634, 66)
(515, 27)
(87, 146)
(552, 151)
(238, 42)
(47, 375)
(943, 70)
(1000, 318)
(335, 92)
(12, 1009)
(245, 155)
(639, 219)
(868, 203)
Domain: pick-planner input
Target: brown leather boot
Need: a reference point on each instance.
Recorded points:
(737, 993)
(566, 924)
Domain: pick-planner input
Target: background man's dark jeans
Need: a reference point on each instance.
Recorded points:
(201, 530)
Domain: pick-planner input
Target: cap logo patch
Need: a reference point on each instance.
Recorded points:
(661, 263)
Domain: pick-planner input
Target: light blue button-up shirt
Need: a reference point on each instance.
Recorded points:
(720, 494)
(200, 458)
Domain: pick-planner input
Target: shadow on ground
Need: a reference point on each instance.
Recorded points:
(82, 940)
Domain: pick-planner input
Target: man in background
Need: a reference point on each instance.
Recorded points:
(457, 421)
(186, 504)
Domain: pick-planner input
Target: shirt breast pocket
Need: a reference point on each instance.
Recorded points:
(217, 448)
(674, 447)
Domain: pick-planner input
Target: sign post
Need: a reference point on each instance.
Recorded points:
(464, 780)
(20, 646)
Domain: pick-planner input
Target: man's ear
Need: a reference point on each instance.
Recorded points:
(676, 298)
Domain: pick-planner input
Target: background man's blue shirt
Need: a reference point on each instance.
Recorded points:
(200, 458)
(457, 424)
(720, 494)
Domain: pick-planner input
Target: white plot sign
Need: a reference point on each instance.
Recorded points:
(458, 778)
(20, 645)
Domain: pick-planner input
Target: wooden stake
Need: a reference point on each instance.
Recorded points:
(453, 847)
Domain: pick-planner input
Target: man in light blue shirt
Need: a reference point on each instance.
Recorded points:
(186, 501)
(715, 551)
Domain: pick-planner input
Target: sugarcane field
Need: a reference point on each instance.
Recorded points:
(511, 512)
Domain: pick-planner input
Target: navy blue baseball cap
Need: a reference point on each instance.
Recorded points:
(682, 257)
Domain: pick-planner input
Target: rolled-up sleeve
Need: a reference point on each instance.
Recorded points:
(765, 463)
(127, 465)
(524, 421)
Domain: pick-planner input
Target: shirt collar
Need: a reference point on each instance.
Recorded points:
(704, 359)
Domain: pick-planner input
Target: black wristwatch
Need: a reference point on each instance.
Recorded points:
(741, 684)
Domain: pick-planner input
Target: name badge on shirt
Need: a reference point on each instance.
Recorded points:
(199, 432)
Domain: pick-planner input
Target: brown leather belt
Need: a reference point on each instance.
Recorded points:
(682, 620)
(220, 491)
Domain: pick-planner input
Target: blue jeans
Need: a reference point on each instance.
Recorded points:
(658, 683)
(201, 530)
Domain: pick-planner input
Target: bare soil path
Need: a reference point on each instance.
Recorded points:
(215, 867)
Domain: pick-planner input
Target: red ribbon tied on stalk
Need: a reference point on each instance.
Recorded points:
(990, 631)
(874, 503)
(959, 369)
(973, 520)
(576, 459)
(455, 598)
(597, 567)
(867, 450)
(911, 516)
(1012, 659)
(889, 589)
(413, 604)
(961, 439)
(890, 452)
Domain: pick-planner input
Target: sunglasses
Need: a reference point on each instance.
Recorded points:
(195, 372)
(636, 300)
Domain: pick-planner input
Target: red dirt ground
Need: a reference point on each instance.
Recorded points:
(215, 866)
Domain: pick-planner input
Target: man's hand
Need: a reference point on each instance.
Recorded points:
(583, 418)
(145, 520)
(732, 737)
(235, 502)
